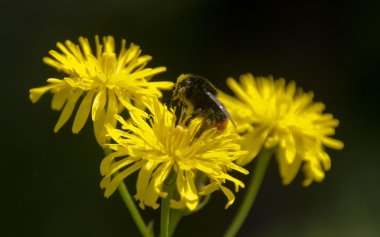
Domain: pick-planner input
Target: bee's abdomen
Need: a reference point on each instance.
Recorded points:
(214, 113)
(221, 126)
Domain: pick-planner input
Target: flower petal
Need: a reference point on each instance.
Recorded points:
(83, 112)
(99, 103)
(230, 196)
(67, 110)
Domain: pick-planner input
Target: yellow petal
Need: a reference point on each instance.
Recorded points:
(51, 62)
(99, 103)
(230, 196)
(177, 204)
(252, 142)
(144, 177)
(163, 85)
(237, 182)
(60, 98)
(115, 182)
(112, 107)
(135, 112)
(99, 128)
(307, 181)
(83, 112)
(116, 166)
(325, 159)
(67, 110)
(151, 196)
(235, 87)
(208, 189)
(333, 143)
(238, 168)
(313, 172)
(160, 175)
(287, 171)
(290, 148)
(36, 93)
(85, 46)
(106, 162)
(187, 190)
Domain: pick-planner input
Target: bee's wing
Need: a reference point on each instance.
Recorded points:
(213, 97)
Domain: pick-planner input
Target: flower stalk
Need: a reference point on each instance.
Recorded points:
(175, 217)
(128, 201)
(252, 190)
(169, 187)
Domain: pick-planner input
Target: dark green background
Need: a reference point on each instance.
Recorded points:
(50, 182)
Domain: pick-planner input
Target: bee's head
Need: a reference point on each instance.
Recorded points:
(184, 82)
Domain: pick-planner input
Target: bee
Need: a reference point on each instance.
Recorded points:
(199, 96)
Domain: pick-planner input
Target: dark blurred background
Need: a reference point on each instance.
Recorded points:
(50, 182)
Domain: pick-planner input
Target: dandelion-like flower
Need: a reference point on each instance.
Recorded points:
(102, 80)
(271, 114)
(157, 146)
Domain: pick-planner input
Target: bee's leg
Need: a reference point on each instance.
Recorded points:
(184, 113)
(197, 112)
(206, 124)
(194, 114)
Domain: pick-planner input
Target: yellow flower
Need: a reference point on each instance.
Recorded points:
(269, 113)
(156, 145)
(102, 80)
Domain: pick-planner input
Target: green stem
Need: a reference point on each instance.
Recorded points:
(130, 204)
(254, 186)
(175, 217)
(165, 206)
(126, 196)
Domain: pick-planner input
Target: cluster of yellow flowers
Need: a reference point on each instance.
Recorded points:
(268, 113)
